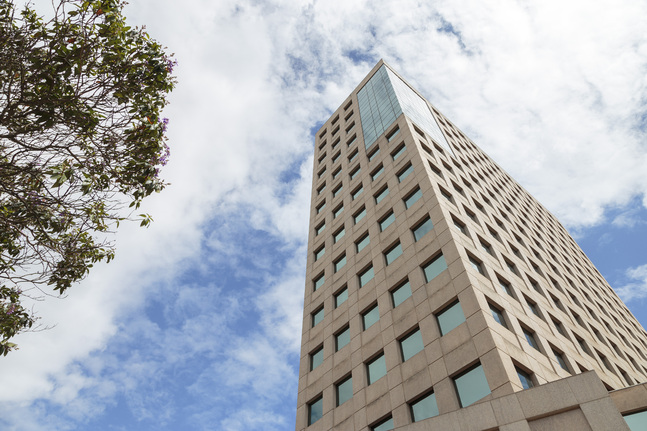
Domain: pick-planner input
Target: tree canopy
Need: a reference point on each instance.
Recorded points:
(82, 142)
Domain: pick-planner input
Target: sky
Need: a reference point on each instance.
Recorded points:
(196, 324)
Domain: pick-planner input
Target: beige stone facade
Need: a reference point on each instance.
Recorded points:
(474, 281)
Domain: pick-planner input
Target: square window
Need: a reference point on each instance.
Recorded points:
(411, 344)
(341, 297)
(401, 293)
(393, 253)
(405, 173)
(354, 172)
(412, 198)
(317, 317)
(316, 358)
(342, 338)
(319, 281)
(319, 253)
(434, 268)
(339, 234)
(471, 386)
(530, 338)
(362, 242)
(370, 317)
(315, 410)
(424, 408)
(450, 318)
(398, 152)
(385, 425)
(344, 391)
(358, 191)
(377, 172)
(422, 228)
(524, 378)
(359, 215)
(381, 195)
(386, 221)
(366, 276)
(498, 316)
(376, 369)
(340, 263)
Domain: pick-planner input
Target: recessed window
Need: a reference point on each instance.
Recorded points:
(530, 338)
(341, 297)
(486, 247)
(411, 344)
(494, 234)
(525, 378)
(434, 268)
(351, 141)
(316, 358)
(392, 134)
(319, 281)
(337, 211)
(339, 234)
(476, 264)
(321, 206)
(393, 253)
(459, 226)
(317, 316)
(636, 421)
(340, 262)
(321, 172)
(377, 172)
(322, 158)
(401, 293)
(359, 215)
(370, 317)
(362, 242)
(386, 221)
(398, 152)
(349, 128)
(412, 198)
(435, 170)
(533, 307)
(450, 318)
(337, 190)
(334, 144)
(376, 369)
(366, 276)
(342, 338)
(315, 410)
(385, 425)
(353, 156)
(471, 386)
(321, 188)
(320, 228)
(373, 153)
(319, 253)
(446, 195)
(424, 408)
(336, 157)
(498, 316)
(358, 191)
(336, 173)
(381, 195)
(511, 266)
(559, 357)
(405, 173)
(583, 345)
(344, 390)
(354, 172)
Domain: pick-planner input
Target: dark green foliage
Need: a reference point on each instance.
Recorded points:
(81, 141)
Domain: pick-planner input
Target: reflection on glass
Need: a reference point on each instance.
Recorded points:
(401, 294)
(471, 386)
(450, 318)
(411, 345)
(434, 268)
(376, 369)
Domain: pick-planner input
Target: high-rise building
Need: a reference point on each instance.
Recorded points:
(441, 295)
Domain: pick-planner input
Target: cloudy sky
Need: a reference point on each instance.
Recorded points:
(196, 325)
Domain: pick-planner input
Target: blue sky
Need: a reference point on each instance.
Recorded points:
(197, 322)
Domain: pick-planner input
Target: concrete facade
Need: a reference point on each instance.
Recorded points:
(494, 293)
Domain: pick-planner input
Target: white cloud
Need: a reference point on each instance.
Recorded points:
(636, 286)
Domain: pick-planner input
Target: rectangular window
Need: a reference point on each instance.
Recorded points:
(446, 195)
(381, 195)
(398, 152)
(316, 358)
(434, 268)
(317, 316)
(424, 408)
(353, 156)
(358, 191)
(362, 242)
(405, 172)
(401, 293)
(459, 226)
(412, 198)
(354, 172)
(392, 134)
(370, 317)
(386, 221)
(422, 228)
(315, 410)
(385, 425)
(337, 211)
(340, 263)
(342, 338)
(533, 307)
(319, 281)
(376, 369)
(530, 338)
(636, 421)
(359, 215)
(377, 172)
(471, 386)
(511, 266)
(498, 316)
(336, 157)
(524, 378)
(351, 141)
(450, 318)
(337, 190)
(321, 172)
(321, 189)
(320, 228)
(319, 253)
(339, 234)
(559, 357)
(349, 128)
(393, 253)
(344, 391)
(373, 153)
(476, 264)
(411, 344)
(366, 276)
(486, 247)
(341, 297)
(336, 173)
(321, 206)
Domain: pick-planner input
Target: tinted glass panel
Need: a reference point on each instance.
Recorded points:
(387, 222)
(371, 316)
(393, 254)
(317, 317)
(316, 359)
(405, 173)
(637, 421)
(434, 268)
(360, 215)
(424, 408)
(413, 199)
(531, 339)
(401, 294)
(450, 318)
(381, 196)
(411, 345)
(344, 391)
(341, 297)
(366, 276)
(376, 369)
(340, 263)
(315, 411)
(342, 339)
(339, 234)
(525, 379)
(498, 316)
(319, 282)
(422, 229)
(472, 386)
(363, 243)
(387, 425)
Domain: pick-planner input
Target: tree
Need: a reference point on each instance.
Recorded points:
(81, 144)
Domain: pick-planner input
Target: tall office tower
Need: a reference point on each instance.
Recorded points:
(441, 295)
